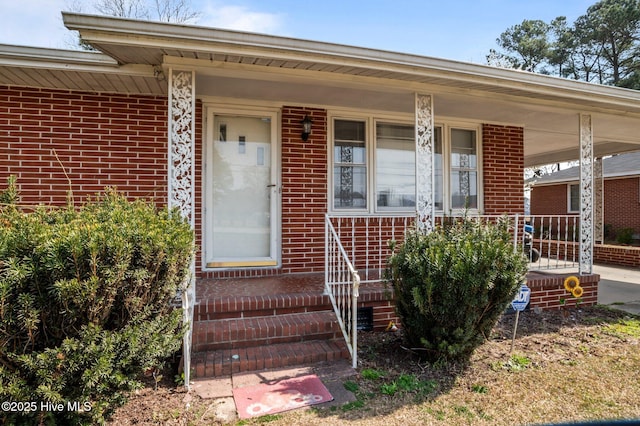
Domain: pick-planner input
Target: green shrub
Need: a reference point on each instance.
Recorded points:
(86, 300)
(624, 236)
(452, 284)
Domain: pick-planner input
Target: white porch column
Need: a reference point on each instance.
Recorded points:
(424, 163)
(181, 185)
(598, 201)
(586, 194)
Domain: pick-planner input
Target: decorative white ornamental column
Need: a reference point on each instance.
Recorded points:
(181, 185)
(586, 194)
(598, 201)
(424, 163)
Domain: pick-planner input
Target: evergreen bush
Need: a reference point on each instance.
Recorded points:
(452, 284)
(624, 236)
(86, 299)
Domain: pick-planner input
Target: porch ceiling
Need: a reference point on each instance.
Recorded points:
(283, 70)
(551, 128)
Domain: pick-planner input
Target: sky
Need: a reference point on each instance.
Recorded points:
(463, 30)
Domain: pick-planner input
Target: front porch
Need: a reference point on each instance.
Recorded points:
(250, 324)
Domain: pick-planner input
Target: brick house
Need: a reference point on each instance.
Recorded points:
(212, 122)
(558, 193)
(616, 206)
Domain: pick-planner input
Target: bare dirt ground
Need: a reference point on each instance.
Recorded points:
(571, 365)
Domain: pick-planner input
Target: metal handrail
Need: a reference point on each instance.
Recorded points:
(342, 285)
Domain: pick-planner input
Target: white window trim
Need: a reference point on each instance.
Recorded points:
(569, 185)
(446, 166)
(370, 120)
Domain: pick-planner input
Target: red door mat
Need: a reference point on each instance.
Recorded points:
(282, 395)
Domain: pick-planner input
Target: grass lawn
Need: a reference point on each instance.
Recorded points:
(571, 365)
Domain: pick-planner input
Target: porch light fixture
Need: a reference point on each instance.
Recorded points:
(306, 127)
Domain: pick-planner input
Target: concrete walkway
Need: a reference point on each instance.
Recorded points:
(619, 287)
(220, 390)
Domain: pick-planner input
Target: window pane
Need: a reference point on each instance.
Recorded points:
(350, 187)
(350, 159)
(464, 189)
(463, 149)
(574, 198)
(346, 130)
(464, 164)
(349, 152)
(395, 166)
(438, 167)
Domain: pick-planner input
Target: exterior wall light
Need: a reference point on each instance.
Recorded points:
(306, 127)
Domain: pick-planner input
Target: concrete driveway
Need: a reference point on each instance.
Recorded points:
(619, 287)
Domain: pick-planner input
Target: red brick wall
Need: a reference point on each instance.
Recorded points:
(503, 168)
(622, 203)
(121, 140)
(547, 292)
(549, 200)
(100, 140)
(617, 255)
(304, 190)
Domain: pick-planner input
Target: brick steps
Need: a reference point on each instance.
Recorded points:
(233, 334)
(227, 361)
(264, 330)
(245, 306)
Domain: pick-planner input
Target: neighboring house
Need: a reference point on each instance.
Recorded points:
(559, 194)
(211, 122)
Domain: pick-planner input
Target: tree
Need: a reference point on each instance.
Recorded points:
(585, 58)
(178, 11)
(527, 45)
(123, 8)
(616, 26)
(601, 46)
(175, 11)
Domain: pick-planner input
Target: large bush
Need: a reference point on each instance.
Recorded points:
(452, 284)
(86, 300)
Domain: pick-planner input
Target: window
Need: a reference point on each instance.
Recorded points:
(395, 167)
(350, 165)
(464, 169)
(438, 170)
(456, 170)
(378, 157)
(573, 194)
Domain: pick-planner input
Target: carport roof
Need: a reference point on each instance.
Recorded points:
(621, 165)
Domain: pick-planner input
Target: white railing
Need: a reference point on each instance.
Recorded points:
(550, 244)
(342, 284)
(366, 239)
(361, 243)
(555, 241)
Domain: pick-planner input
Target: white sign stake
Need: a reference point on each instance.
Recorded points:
(519, 304)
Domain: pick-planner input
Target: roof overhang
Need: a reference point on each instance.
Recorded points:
(231, 64)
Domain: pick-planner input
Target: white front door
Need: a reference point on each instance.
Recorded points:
(241, 190)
